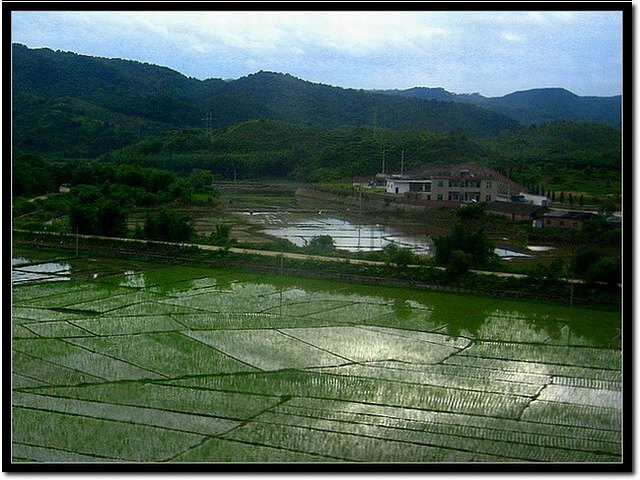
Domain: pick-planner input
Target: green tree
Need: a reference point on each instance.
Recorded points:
(459, 263)
(322, 244)
(401, 257)
(221, 235)
(471, 241)
(169, 226)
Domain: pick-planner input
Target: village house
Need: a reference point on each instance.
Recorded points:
(518, 211)
(457, 183)
(566, 219)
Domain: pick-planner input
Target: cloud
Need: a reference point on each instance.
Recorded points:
(490, 52)
(513, 37)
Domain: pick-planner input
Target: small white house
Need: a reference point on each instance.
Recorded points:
(404, 185)
(539, 200)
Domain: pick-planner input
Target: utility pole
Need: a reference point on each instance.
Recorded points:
(402, 164)
(383, 155)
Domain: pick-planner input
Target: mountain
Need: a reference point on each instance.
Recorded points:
(531, 107)
(66, 104)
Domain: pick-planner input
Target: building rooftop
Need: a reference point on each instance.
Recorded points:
(516, 208)
(569, 215)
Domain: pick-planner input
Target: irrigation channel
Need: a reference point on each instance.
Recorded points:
(116, 360)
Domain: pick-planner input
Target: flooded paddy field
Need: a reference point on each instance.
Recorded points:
(143, 362)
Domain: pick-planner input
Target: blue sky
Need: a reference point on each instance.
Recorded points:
(493, 53)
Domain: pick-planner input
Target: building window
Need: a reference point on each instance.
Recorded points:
(440, 183)
(488, 184)
(488, 198)
(439, 196)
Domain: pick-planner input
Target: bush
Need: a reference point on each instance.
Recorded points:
(321, 244)
(221, 236)
(459, 263)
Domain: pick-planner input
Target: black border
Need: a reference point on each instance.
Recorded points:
(626, 466)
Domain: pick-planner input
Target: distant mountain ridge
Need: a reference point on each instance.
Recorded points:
(530, 107)
(67, 104)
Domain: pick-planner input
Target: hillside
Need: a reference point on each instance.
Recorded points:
(268, 148)
(108, 103)
(531, 107)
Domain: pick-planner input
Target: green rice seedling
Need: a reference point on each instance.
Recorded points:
(582, 396)
(226, 450)
(244, 321)
(33, 453)
(47, 372)
(587, 416)
(75, 296)
(165, 354)
(266, 349)
(364, 344)
(484, 384)
(91, 436)
(116, 325)
(439, 438)
(26, 314)
(56, 330)
(467, 371)
(564, 355)
(382, 392)
(534, 367)
(64, 354)
(205, 425)
(472, 427)
(30, 293)
(342, 446)
(353, 313)
(218, 404)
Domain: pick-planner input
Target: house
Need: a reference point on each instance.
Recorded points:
(518, 211)
(457, 183)
(566, 219)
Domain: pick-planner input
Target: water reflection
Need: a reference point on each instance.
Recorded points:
(353, 236)
(23, 271)
(349, 236)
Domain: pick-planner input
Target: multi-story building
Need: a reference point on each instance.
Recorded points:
(461, 183)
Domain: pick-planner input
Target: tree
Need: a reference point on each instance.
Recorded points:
(459, 263)
(466, 240)
(322, 244)
(221, 235)
(169, 226)
(401, 257)
(201, 180)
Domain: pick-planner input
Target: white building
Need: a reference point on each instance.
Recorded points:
(459, 183)
(539, 200)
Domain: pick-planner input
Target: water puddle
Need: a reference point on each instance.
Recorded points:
(507, 254)
(539, 248)
(347, 235)
(23, 271)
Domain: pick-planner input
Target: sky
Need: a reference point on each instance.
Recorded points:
(489, 52)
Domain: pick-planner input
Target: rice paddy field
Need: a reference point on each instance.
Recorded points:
(116, 361)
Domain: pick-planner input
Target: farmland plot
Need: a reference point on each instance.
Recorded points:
(188, 364)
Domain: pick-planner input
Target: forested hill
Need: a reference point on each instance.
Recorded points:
(70, 104)
(531, 107)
